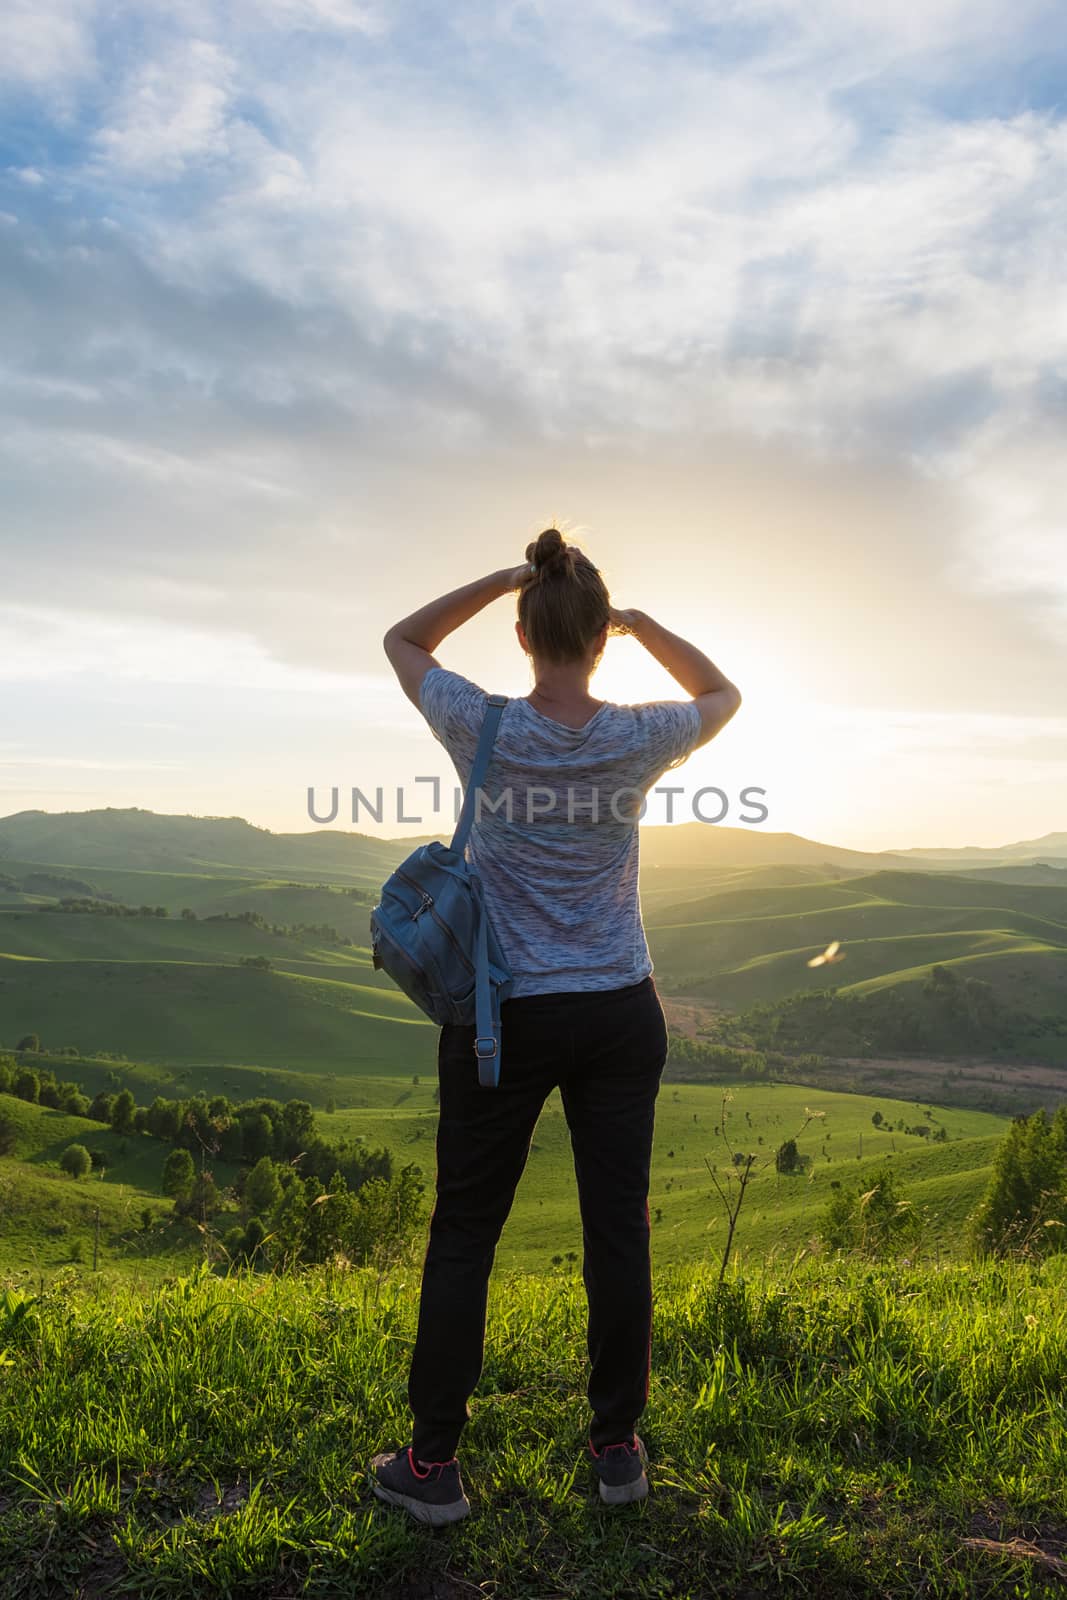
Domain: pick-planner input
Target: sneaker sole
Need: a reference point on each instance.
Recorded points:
(437, 1516)
(621, 1494)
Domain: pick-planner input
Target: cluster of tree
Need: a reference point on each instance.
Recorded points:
(38, 1086)
(30, 1044)
(920, 1130)
(240, 1132)
(322, 931)
(1024, 1210)
(289, 1218)
(700, 1058)
(244, 1132)
(103, 908)
(945, 1015)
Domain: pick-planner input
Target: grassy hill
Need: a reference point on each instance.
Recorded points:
(48, 1219)
(1050, 848)
(146, 841)
(780, 1214)
(132, 839)
(749, 943)
(729, 931)
(172, 991)
(181, 1011)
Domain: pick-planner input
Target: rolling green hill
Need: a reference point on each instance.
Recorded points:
(182, 1011)
(780, 1213)
(746, 944)
(173, 990)
(146, 841)
(48, 1219)
(222, 846)
(839, 1144)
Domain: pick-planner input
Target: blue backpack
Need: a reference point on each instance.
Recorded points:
(431, 933)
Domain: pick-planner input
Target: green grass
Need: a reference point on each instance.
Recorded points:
(742, 945)
(826, 1430)
(165, 990)
(180, 1011)
(46, 1216)
(780, 1213)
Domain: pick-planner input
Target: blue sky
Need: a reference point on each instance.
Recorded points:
(313, 309)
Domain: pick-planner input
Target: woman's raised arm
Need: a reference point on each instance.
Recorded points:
(410, 643)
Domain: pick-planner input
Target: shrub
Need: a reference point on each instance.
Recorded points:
(76, 1160)
(875, 1221)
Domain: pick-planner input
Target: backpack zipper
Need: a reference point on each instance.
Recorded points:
(428, 905)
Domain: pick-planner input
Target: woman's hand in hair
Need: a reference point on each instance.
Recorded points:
(623, 621)
(517, 576)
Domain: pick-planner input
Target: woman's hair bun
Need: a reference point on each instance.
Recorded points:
(548, 552)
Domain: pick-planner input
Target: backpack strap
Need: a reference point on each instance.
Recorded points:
(495, 704)
(486, 1005)
(486, 997)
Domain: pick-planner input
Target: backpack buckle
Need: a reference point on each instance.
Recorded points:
(491, 1048)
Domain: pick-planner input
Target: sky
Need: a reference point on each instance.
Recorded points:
(313, 309)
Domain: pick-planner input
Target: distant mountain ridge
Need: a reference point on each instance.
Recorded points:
(1051, 848)
(138, 839)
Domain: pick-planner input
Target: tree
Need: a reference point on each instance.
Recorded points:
(298, 1122)
(100, 1109)
(204, 1200)
(1024, 1209)
(123, 1112)
(27, 1085)
(262, 1189)
(877, 1118)
(76, 1160)
(164, 1118)
(787, 1158)
(252, 1243)
(29, 1041)
(257, 1135)
(179, 1174)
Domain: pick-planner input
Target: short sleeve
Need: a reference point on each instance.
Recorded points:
(671, 729)
(451, 704)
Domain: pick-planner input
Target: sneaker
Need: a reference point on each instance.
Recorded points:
(621, 1470)
(432, 1491)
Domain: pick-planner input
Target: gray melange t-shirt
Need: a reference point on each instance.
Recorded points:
(555, 838)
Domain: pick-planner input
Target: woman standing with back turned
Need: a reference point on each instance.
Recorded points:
(556, 846)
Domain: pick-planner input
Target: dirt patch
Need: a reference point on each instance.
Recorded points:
(211, 1501)
(687, 1015)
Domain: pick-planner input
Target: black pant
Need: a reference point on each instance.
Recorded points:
(606, 1050)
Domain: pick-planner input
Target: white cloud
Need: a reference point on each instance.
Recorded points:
(171, 112)
(65, 646)
(46, 42)
(645, 224)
